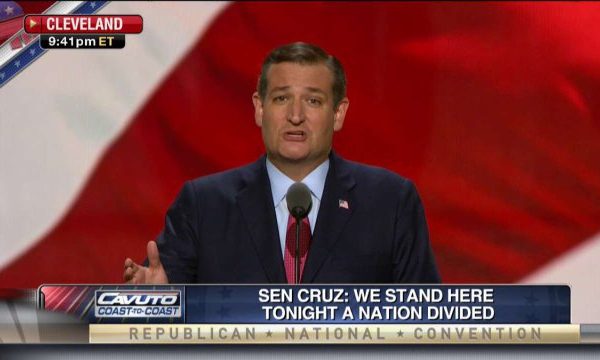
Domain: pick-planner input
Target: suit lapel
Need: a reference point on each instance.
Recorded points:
(256, 204)
(332, 217)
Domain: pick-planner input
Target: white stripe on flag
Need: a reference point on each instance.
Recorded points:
(60, 114)
(578, 268)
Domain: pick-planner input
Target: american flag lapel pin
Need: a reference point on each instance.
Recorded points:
(344, 204)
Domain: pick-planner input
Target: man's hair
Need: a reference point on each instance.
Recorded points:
(304, 54)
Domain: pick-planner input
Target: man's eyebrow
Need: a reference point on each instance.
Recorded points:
(309, 88)
(317, 90)
(279, 88)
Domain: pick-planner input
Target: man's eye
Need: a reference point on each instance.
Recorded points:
(279, 99)
(314, 101)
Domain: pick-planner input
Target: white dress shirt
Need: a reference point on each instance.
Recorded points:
(280, 184)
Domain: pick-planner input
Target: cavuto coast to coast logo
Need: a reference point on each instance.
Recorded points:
(132, 303)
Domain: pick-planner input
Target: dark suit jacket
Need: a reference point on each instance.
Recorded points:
(222, 229)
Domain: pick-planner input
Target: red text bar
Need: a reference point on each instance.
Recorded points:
(83, 24)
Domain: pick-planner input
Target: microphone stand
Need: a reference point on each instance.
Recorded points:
(299, 203)
(297, 252)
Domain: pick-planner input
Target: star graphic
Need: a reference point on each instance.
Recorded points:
(93, 5)
(2, 75)
(532, 319)
(531, 299)
(225, 293)
(9, 10)
(269, 333)
(194, 301)
(223, 311)
(18, 63)
(32, 52)
(400, 333)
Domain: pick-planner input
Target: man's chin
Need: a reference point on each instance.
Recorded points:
(291, 157)
(298, 158)
(294, 159)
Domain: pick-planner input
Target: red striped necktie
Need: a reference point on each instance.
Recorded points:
(290, 247)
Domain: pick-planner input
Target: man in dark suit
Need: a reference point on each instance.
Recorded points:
(367, 224)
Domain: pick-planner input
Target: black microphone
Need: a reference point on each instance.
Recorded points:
(298, 200)
(299, 203)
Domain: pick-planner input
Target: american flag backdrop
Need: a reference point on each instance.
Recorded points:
(493, 109)
(11, 19)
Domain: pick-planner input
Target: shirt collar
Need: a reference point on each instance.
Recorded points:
(280, 182)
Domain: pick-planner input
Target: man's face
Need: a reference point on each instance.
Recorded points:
(297, 115)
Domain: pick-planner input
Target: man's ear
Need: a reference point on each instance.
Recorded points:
(258, 109)
(340, 114)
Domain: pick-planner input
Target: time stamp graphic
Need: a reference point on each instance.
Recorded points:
(83, 32)
(78, 41)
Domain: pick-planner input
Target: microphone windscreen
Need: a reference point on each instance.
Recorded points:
(299, 200)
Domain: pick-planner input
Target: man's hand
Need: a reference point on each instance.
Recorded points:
(153, 274)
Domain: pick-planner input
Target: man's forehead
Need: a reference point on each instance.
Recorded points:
(311, 77)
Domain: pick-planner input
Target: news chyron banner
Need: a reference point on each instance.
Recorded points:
(83, 31)
(64, 25)
(318, 314)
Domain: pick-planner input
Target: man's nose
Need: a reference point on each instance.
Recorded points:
(296, 112)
